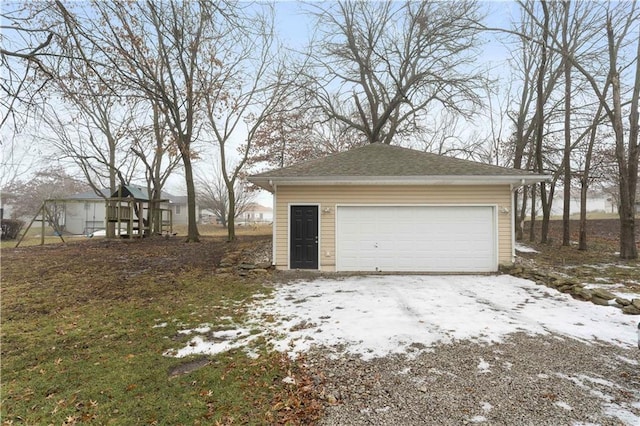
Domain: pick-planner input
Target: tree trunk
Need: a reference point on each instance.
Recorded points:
(584, 181)
(231, 217)
(539, 118)
(546, 213)
(584, 186)
(566, 208)
(523, 212)
(627, 172)
(532, 232)
(192, 230)
(517, 218)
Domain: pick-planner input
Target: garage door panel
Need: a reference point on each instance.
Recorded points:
(416, 238)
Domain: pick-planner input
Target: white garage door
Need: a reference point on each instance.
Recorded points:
(416, 238)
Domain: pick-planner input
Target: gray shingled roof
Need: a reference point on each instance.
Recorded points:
(381, 160)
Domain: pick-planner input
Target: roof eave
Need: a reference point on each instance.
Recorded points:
(270, 183)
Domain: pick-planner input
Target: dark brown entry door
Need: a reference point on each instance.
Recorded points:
(304, 237)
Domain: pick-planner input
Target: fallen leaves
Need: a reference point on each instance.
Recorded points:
(298, 402)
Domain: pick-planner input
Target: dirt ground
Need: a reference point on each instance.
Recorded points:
(104, 259)
(605, 229)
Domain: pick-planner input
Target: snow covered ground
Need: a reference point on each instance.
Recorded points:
(374, 316)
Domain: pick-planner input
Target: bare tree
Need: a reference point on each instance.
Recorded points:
(93, 134)
(245, 87)
(213, 195)
(46, 184)
(585, 178)
(381, 67)
(24, 44)
(293, 133)
(153, 145)
(157, 49)
(539, 70)
(619, 25)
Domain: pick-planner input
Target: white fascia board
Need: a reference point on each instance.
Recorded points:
(269, 184)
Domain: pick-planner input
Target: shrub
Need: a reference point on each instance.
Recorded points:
(11, 228)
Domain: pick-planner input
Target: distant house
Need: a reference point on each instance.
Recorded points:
(179, 208)
(85, 213)
(597, 201)
(255, 213)
(6, 206)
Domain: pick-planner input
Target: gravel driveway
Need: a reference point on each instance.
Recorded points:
(526, 380)
(459, 350)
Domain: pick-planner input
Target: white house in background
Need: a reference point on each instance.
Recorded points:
(85, 213)
(597, 202)
(255, 213)
(179, 208)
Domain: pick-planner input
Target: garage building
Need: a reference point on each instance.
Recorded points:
(382, 208)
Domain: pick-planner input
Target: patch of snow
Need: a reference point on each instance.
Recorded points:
(223, 341)
(478, 419)
(618, 289)
(614, 407)
(375, 316)
(563, 404)
(290, 380)
(484, 367)
(507, 365)
(486, 407)
(252, 354)
(161, 325)
(405, 370)
(622, 414)
(525, 249)
(200, 330)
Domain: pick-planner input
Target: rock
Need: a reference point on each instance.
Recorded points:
(247, 266)
(516, 270)
(622, 301)
(565, 288)
(581, 293)
(332, 399)
(599, 300)
(631, 310)
(259, 271)
(225, 264)
(223, 270)
(602, 294)
(188, 367)
(636, 303)
(263, 265)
